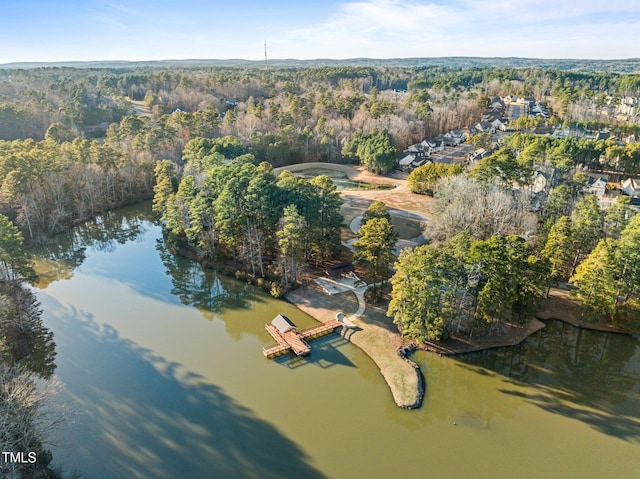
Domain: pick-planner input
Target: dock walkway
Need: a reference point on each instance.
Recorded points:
(296, 341)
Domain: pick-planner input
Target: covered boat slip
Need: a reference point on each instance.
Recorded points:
(289, 339)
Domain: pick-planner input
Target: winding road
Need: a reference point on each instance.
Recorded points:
(400, 201)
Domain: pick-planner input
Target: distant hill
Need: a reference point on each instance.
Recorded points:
(631, 65)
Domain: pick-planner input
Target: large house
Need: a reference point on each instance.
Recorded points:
(406, 159)
(596, 186)
(477, 155)
(453, 138)
(485, 127)
(500, 124)
(631, 187)
(538, 109)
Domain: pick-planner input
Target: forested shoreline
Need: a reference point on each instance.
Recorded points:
(75, 143)
(495, 257)
(28, 389)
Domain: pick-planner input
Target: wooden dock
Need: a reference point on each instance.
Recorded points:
(295, 341)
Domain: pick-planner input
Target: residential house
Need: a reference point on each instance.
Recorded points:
(453, 138)
(562, 133)
(496, 105)
(419, 150)
(485, 127)
(477, 155)
(631, 187)
(609, 198)
(596, 186)
(406, 159)
(538, 109)
(500, 124)
(418, 163)
(459, 134)
(435, 144)
(527, 100)
(539, 181)
(490, 116)
(469, 131)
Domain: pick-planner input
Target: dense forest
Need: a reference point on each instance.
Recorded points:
(203, 142)
(76, 142)
(27, 355)
(629, 65)
(80, 141)
(494, 256)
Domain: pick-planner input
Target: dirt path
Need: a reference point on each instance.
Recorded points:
(399, 198)
(141, 108)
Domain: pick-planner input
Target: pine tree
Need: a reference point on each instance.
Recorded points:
(587, 224)
(15, 264)
(627, 259)
(291, 243)
(374, 246)
(377, 209)
(617, 217)
(594, 282)
(425, 292)
(558, 249)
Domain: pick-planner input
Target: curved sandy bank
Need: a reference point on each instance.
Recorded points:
(375, 336)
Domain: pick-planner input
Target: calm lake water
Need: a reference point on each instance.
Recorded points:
(163, 369)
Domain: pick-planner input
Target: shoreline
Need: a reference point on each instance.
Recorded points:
(374, 335)
(512, 335)
(559, 305)
(377, 338)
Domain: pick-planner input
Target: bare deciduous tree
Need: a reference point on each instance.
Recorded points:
(464, 204)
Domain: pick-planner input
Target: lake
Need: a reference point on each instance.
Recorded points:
(164, 377)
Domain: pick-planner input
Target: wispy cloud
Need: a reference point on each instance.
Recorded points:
(542, 28)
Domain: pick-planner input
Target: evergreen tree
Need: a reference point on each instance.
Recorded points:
(594, 282)
(291, 243)
(374, 246)
(424, 179)
(165, 173)
(377, 209)
(617, 217)
(325, 226)
(587, 227)
(627, 260)
(511, 279)
(375, 150)
(558, 249)
(15, 263)
(424, 293)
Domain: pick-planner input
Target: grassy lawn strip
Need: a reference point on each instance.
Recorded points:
(376, 337)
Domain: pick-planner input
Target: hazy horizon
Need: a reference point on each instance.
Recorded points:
(319, 59)
(164, 30)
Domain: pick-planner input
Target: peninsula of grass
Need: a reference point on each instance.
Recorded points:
(376, 336)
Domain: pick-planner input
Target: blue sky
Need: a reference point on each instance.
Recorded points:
(71, 30)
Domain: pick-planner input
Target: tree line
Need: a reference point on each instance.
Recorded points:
(223, 205)
(494, 257)
(46, 186)
(27, 363)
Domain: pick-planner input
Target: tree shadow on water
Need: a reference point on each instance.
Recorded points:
(589, 376)
(141, 416)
